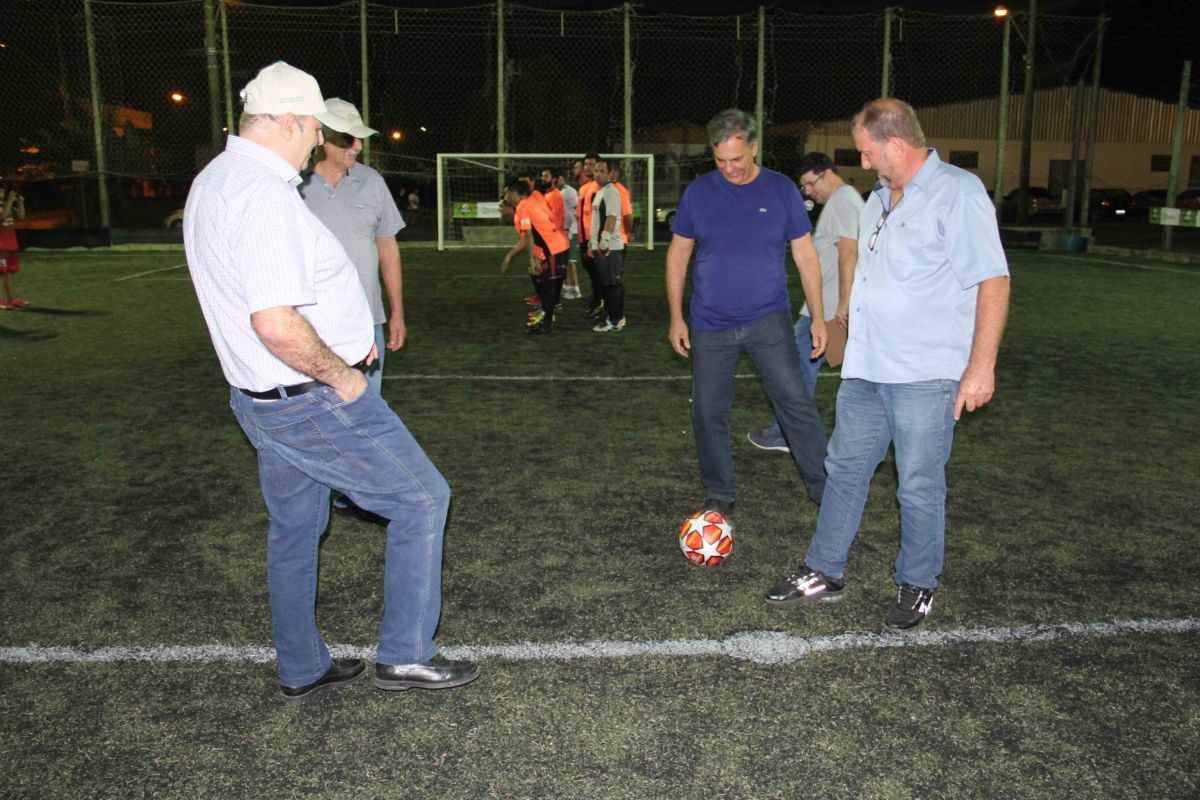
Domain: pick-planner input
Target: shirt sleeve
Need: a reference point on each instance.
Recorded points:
(973, 238)
(798, 223)
(685, 223)
(390, 220)
(844, 215)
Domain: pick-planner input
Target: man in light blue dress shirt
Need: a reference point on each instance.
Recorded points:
(927, 313)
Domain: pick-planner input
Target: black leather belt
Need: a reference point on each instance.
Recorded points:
(283, 392)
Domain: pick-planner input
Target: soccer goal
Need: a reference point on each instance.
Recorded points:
(470, 187)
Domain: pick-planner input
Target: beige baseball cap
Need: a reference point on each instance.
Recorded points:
(342, 116)
(281, 88)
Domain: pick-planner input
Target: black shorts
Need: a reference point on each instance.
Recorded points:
(609, 268)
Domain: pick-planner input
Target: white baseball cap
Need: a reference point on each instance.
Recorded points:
(281, 88)
(344, 117)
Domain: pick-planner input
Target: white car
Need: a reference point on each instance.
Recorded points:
(174, 220)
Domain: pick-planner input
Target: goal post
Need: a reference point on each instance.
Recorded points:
(470, 187)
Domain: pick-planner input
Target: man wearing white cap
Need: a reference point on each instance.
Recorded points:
(291, 326)
(354, 203)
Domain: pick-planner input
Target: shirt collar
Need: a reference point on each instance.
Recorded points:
(926, 172)
(265, 156)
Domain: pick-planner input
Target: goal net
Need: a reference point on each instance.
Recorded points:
(470, 187)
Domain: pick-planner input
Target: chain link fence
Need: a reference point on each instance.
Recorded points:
(167, 76)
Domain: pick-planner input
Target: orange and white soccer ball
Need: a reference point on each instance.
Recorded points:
(706, 538)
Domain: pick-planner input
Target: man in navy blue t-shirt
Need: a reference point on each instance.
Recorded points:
(740, 220)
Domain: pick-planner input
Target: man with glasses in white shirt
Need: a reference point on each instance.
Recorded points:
(927, 312)
(291, 327)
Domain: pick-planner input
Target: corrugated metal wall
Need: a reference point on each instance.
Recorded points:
(1123, 118)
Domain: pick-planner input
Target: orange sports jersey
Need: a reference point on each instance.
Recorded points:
(584, 210)
(558, 209)
(533, 216)
(626, 207)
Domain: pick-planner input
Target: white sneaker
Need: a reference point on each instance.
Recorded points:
(608, 327)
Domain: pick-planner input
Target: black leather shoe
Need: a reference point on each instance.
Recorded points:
(345, 670)
(438, 672)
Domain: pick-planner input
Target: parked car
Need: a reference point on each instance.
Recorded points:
(1157, 198)
(1041, 204)
(1109, 204)
(1188, 198)
(174, 219)
(665, 215)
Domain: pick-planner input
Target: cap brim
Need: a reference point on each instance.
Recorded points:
(343, 125)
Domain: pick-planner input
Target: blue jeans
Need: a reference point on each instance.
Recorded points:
(810, 368)
(315, 442)
(919, 418)
(374, 372)
(771, 345)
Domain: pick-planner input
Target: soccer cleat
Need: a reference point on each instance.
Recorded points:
(17, 302)
(805, 586)
(4, 305)
(541, 328)
(610, 326)
(533, 300)
(913, 605)
(571, 293)
(536, 317)
(597, 311)
(769, 439)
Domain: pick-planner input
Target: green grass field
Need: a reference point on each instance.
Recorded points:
(132, 524)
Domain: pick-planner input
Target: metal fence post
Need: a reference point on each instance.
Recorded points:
(1027, 118)
(97, 117)
(1093, 123)
(366, 94)
(1181, 110)
(760, 77)
(225, 63)
(210, 63)
(1002, 125)
(628, 87)
(1070, 211)
(885, 86)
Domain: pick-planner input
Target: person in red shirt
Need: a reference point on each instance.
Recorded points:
(12, 206)
(547, 247)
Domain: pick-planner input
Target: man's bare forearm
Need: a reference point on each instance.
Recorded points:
(292, 340)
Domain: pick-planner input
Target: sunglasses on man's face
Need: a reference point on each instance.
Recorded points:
(336, 138)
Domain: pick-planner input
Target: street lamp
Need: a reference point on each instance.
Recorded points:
(177, 98)
(1002, 127)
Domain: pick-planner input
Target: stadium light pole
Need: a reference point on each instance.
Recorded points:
(1002, 127)
(225, 63)
(1089, 157)
(886, 80)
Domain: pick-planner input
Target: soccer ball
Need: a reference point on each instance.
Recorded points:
(706, 538)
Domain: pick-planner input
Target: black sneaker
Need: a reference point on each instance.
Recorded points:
(913, 605)
(805, 586)
(722, 507)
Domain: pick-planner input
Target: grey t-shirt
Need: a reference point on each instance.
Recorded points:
(357, 211)
(839, 219)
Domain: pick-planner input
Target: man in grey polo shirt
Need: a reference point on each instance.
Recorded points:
(354, 203)
(287, 317)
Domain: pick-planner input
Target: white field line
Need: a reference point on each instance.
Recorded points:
(147, 272)
(759, 647)
(1094, 260)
